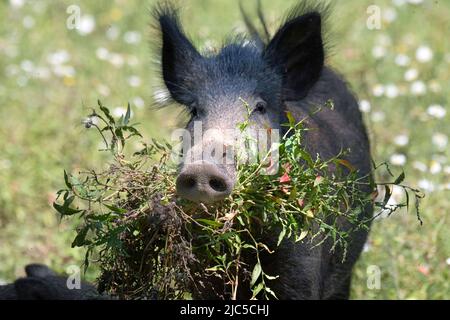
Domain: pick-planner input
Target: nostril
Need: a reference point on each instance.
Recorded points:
(218, 184)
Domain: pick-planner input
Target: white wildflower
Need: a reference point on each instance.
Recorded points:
(398, 159)
(132, 37)
(418, 88)
(424, 54)
(120, 111)
(112, 33)
(27, 66)
(426, 185)
(436, 111)
(391, 91)
(86, 25)
(16, 3)
(364, 106)
(389, 14)
(58, 57)
(402, 60)
(378, 52)
(138, 102)
(134, 81)
(420, 166)
(440, 140)
(116, 59)
(378, 116)
(378, 90)
(401, 140)
(435, 167)
(102, 53)
(411, 74)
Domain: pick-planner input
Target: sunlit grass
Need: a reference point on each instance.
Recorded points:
(43, 104)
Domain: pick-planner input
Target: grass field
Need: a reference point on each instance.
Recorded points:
(50, 74)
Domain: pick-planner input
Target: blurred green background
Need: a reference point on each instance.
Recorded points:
(51, 74)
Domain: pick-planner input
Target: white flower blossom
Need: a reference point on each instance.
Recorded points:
(401, 140)
(402, 60)
(411, 74)
(391, 91)
(378, 52)
(116, 60)
(102, 53)
(389, 14)
(426, 185)
(86, 25)
(436, 111)
(420, 166)
(440, 140)
(378, 90)
(120, 111)
(418, 88)
(58, 57)
(364, 106)
(138, 102)
(424, 54)
(16, 3)
(378, 116)
(435, 167)
(398, 159)
(132, 37)
(112, 33)
(134, 81)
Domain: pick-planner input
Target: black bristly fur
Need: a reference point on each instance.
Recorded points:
(287, 71)
(295, 53)
(178, 54)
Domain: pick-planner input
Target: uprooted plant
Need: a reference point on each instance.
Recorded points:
(150, 244)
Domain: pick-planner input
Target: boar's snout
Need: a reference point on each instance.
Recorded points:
(203, 181)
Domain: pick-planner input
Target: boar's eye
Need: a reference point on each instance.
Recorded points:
(194, 112)
(260, 107)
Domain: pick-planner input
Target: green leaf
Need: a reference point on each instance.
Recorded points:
(115, 209)
(307, 157)
(400, 178)
(255, 274)
(387, 195)
(80, 239)
(291, 119)
(257, 289)
(106, 112)
(64, 209)
(66, 180)
(281, 236)
(127, 115)
(134, 131)
(212, 223)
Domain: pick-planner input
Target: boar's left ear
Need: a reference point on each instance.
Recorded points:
(179, 58)
(297, 49)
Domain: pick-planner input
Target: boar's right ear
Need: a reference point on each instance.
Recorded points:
(178, 56)
(297, 51)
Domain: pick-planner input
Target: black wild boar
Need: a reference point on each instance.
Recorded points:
(42, 283)
(284, 73)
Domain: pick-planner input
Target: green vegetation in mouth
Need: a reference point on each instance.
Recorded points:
(150, 244)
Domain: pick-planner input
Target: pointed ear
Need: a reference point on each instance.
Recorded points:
(297, 49)
(178, 55)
